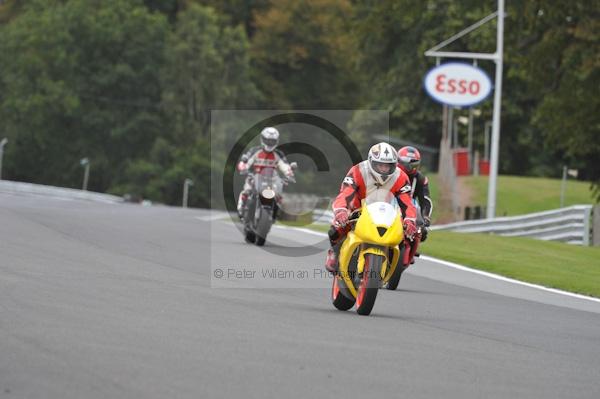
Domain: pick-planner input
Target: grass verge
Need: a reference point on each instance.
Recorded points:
(518, 195)
(551, 264)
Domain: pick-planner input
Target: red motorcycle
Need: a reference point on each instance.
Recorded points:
(408, 250)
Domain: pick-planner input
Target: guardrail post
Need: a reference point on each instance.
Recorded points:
(2, 144)
(596, 226)
(186, 189)
(477, 212)
(468, 213)
(587, 215)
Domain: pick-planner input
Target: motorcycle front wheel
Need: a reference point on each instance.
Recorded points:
(369, 284)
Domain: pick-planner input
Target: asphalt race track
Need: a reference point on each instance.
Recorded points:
(115, 301)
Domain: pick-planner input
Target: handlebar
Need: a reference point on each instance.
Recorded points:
(353, 218)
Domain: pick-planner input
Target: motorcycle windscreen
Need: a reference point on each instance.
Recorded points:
(382, 206)
(268, 179)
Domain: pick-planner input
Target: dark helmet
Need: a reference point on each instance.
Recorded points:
(409, 160)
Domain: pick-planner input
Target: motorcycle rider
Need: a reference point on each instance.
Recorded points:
(257, 158)
(409, 160)
(378, 172)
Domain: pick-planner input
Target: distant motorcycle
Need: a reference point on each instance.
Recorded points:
(262, 205)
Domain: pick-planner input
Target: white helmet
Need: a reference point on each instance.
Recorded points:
(269, 138)
(382, 162)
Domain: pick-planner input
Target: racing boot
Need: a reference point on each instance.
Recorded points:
(336, 237)
(331, 263)
(241, 206)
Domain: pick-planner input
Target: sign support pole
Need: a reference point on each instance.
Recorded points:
(563, 186)
(491, 200)
(498, 58)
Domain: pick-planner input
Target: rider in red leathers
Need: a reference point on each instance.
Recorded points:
(378, 172)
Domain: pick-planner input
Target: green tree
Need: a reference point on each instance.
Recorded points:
(161, 174)
(305, 56)
(170, 8)
(208, 68)
(563, 67)
(239, 12)
(80, 78)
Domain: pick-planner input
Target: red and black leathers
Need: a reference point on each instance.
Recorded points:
(420, 190)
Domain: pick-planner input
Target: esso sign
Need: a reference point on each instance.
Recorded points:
(457, 84)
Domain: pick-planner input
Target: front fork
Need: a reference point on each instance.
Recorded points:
(387, 270)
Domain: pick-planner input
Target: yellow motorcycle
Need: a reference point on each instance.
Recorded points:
(369, 254)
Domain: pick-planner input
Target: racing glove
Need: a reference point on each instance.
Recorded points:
(289, 176)
(425, 231)
(340, 218)
(410, 228)
(242, 166)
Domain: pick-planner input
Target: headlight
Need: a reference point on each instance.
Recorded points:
(267, 193)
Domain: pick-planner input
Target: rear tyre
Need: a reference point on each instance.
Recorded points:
(369, 284)
(395, 279)
(392, 284)
(260, 241)
(339, 300)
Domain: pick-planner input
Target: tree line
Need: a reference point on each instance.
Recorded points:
(130, 83)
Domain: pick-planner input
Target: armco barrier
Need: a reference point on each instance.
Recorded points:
(298, 204)
(13, 187)
(571, 225)
(324, 216)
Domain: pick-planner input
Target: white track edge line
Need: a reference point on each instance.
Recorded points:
(508, 279)
(210, 217)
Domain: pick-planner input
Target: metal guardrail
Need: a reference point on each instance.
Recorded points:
(300, 204)
(13, 187)
(324, 216)
(570, 225)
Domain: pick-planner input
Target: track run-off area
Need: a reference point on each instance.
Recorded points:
(119, 301)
